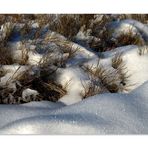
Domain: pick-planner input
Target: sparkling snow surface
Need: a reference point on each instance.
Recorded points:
(100, 114)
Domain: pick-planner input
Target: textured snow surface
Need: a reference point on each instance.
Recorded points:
(100, 114)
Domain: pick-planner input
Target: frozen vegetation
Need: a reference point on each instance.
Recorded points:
(73, 74)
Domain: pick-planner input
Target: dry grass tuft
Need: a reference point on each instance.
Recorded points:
(142, 50)
(102, 36)
(129, 39)
(47, 88)
(106, 42)
(25, 57)
(117, 61)
(65, 46)
(85, 20)
(119, 65)
(28, 32)
(139, 17)
(103, 43)
(91, 88)
(5, 56)
(66, 25)
(25, 30)
(105, 80)
(104, 77)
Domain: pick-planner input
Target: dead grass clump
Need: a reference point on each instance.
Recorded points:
(104, 77)
(28, 32)
(65, 46)
(128, 39)
(95, 31)
(105, 80)
(139, 17)
(5, 96)
(46, 19)
(119, 65)
(106, 43)
(8, 96)
(2, 19)
(103, 43)
(40, 78)
(6, 32)
(123, 40)
(91, 89)
(47, 88)
(117, 61)
(66, 25)
(49, 91)
(5, 56)
(98, 26)
(86, 20)
(25, 30)
(49, 60)
(18, 18)
(142, 50)
(25, 56)
(102, 36)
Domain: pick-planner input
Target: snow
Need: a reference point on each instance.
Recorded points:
(73, 75)
(136, 67)
(34, 58)
(100, 114)
(124, 112)
(12, 71)
(27, 93)
(5, 29)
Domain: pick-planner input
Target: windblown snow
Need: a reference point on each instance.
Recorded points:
(124, 112)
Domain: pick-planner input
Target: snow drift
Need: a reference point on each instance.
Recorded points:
(100, 114)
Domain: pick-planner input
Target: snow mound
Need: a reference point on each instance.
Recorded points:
(100, 114)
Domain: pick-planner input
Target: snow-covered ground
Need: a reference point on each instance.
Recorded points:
(100, 114)
(123, 112)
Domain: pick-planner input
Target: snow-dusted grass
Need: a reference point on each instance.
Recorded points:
(27, 68)
(114, 73)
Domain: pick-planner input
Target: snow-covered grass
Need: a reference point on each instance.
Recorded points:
(89, 73)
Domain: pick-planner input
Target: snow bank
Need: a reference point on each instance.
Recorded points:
(135, 67)
(101, 114)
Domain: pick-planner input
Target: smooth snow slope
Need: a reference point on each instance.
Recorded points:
(100, 114)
